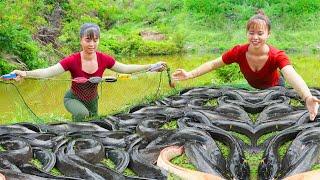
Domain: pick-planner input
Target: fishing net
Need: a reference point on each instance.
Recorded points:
(42, 100)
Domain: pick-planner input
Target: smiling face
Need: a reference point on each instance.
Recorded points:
(89, 44)
(257, 33)
(89, 37)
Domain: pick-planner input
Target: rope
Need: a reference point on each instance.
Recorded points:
(38, 120)
(159, 84)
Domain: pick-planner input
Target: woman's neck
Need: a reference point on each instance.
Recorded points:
(259, 51)
(87, 57)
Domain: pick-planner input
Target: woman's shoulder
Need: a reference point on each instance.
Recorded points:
(273, 51)
(240, 48)
(73, 56)
(104, 55)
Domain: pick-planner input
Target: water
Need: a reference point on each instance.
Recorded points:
(45, 97)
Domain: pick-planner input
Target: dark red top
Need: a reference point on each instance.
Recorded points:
(266, 77)
(85, 91)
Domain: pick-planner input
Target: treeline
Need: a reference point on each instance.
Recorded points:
(39, 32)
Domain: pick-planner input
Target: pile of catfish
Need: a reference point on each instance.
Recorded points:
(134, 139)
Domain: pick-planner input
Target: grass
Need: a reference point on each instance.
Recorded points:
(225, 150)
(307, 67)
(315, 167)
(253, 117)
(253, 160)
(244, 138)
(110, 164)
(171, 125)
(2, 149)
(282, 150)
(212, 103)
(54, 171)
(264, 137)
(295, 103)
(183, 161)
(115, 97)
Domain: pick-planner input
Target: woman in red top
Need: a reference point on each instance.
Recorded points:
(259, 63)
(82, 99)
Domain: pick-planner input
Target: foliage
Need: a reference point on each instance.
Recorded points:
(188, 25)
(315, 167)
(253, 159)
(110, 164)
(229, 73)
(212, 103)
(2, 149)
(54, 171)
(16, 40)
(282, 150)
(265, 137)
(244, 138)
(253, 116)
(295, 103)
(170, 125)
(6, 67)
(224, 149)
(183, 161)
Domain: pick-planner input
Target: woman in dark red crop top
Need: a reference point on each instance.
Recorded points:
(82, 99)
(259, 63)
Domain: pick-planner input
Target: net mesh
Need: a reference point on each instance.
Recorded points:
(42, 100)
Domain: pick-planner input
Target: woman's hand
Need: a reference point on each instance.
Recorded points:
(181, 74)
(158, 67)
(312, 104)
(20, 74)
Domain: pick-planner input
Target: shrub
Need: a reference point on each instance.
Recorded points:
(5, 67)
(229, 73)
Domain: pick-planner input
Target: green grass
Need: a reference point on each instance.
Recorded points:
(36, 163)
(171, 125)
(54, 171)
(244, 138)
(307, 67)
(114, 95)
(110, 164)
(212, 103)
(253, 160)
(183, 161)
(283, 149)
(295, 103)
(224, 149)
(264, 137)
(315, 167)
(2, 149)
(253, 117)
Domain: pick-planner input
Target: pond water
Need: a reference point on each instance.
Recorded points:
(45, 97)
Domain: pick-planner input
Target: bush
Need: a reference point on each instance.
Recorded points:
(16, 40)
(5, 67)
(229, 73)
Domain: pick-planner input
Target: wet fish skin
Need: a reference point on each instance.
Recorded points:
(164, 162)
(121, 159)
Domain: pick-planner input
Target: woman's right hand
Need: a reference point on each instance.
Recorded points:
(181, 74)
(20, 74)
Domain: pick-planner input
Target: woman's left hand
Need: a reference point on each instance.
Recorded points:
(312, 104)
(158, 67)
